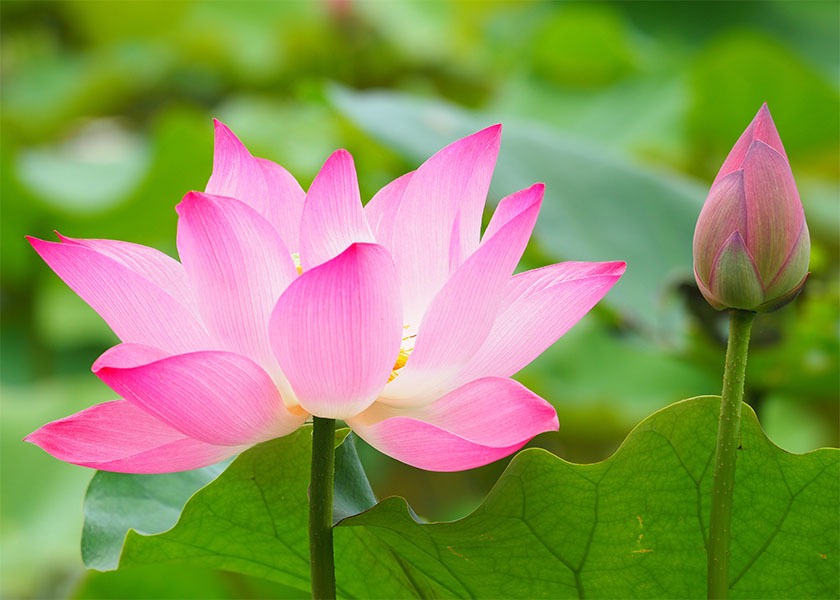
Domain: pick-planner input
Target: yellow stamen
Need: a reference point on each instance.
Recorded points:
(402, 357)
(296, 259)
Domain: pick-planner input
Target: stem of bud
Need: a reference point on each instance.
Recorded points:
(728, 441)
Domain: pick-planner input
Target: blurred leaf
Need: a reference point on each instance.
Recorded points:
(642, 115)
(93, 171)
(582, 45)
(40, 514)
(109, 23)
(795, 426)
(598, 205)
(631, 526)
(431, 37)
(570, 374)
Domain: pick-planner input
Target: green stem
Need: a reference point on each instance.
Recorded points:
(321, 559)
(728, 441)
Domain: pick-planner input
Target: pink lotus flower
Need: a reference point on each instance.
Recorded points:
(751, 244)
(398, 318)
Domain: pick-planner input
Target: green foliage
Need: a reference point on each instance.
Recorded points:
(116, 502)
(631, 526)
(106, 115)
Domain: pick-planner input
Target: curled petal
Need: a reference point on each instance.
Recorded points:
(454, 180)
(336, 331)
(463, 312)
(117, 287)
(539, 307)
(215, 397)
(333, 217)
(119, 436)
(238, 266)
(472, 426)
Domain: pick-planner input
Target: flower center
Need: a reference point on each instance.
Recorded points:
(296, 259)
(406, 348)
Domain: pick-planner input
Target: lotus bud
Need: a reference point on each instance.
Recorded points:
(751, 243)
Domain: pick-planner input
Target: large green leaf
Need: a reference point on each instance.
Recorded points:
(272, 477)
(598, 206)
(633, 525)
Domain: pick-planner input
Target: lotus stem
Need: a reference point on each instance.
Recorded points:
(321, 557)
(728, 442)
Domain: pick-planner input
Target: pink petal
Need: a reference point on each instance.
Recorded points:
(774, 211)
(215, 397)
(238, 266)
(265, 186)
(453, 181)
(118, 436)
(333, 217)
(136, 308)
(462, 314)
(724, 212)
(761, 128)
(159, 268)
(285, 203)
(336, 331)
(539, 307)
(472, 426)
(236, 173)
(381, 211)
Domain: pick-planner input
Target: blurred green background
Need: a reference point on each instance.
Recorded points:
(625, 110)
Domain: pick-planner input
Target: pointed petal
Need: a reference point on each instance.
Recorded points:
(118, 436)
(236, 173)
(455, 179)
(474, 425)
(336, 331)
(761, 128)
(462, 314)
(539, 307)
(381, 211)
(764, 129)
(136, 308)
(238, 266)
(215, 397)
(333, 217)
(263, 185)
